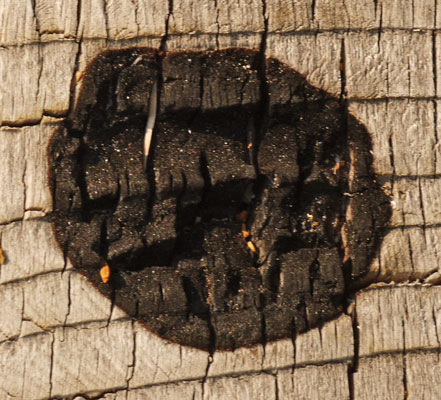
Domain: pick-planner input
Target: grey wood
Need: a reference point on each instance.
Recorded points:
(60, 338)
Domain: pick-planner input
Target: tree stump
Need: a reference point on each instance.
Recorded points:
(60, 338)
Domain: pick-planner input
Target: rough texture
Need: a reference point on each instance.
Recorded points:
(318, 39)
(242, 146)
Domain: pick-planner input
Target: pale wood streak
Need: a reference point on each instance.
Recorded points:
(60, 337)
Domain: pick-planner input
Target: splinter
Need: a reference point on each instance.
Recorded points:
(150, 122)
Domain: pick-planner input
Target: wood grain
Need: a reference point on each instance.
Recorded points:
(60, 338)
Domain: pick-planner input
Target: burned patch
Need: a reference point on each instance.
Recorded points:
(258, 208)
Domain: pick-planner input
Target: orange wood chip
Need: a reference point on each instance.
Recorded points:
(336, 167)
(251, 246)
(105, 273)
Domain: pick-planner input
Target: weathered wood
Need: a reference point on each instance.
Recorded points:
(24, 171)
(36, 81)
(369, 383)
(60, 338)
(398, 318)
(381, 65)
